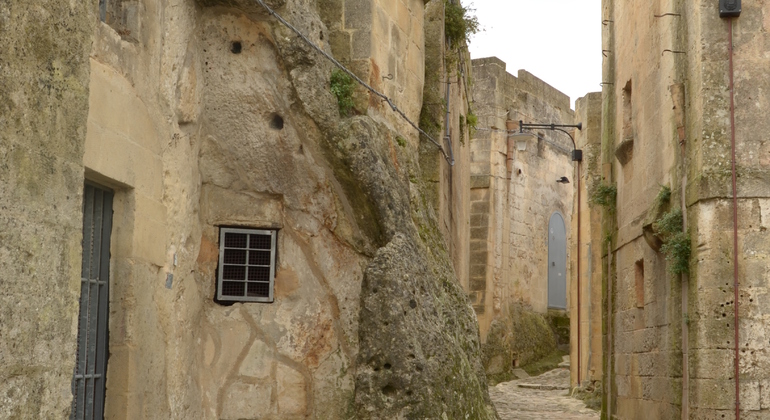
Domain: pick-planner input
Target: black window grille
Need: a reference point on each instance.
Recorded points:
(88, 382)
(246, 265)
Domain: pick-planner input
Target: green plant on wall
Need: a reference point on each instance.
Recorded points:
(472, 120)
(459, 22)
(604, 195)
(462, 130)
(343, 86)
(664, 195)
(676, 243)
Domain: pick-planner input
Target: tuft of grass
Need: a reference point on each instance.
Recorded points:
(605, 195)
(401, 141)
(343, 86)
(590, 394)
(670, 224)
(677, 251)
(472, 121)
(664, 195)
(676, 243)
(459, 23)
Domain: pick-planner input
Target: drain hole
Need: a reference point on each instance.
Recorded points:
(276, 122)
(236, 47)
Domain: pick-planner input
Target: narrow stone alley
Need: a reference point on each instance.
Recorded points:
(543, 397)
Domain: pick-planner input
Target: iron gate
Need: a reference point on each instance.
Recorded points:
(88, 383)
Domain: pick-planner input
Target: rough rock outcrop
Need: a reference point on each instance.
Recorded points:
(419, 354)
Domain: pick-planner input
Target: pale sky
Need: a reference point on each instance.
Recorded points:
(558, 41)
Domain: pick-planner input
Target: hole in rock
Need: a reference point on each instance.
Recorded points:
(236, 47)
(412, 304)
(388, 389)
(387, 366)
(276, 122)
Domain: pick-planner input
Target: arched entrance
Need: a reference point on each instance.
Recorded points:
(557, 262)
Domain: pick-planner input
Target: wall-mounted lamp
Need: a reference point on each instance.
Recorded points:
(522, 138)
(577, 154)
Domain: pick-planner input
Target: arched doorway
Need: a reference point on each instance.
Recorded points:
(557, 262)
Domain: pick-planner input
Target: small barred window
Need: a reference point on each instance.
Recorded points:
(246, 265)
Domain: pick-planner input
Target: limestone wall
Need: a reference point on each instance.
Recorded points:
(514, 194)
(447, 98)
(383, 42)
(673, 332)
(592, 246)
(510, 213)
(44, 73)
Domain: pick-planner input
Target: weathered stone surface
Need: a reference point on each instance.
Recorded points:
(44, 73)
(246, 401)
(207, 114)
(418, 341)
(664, 327)
(516, 340)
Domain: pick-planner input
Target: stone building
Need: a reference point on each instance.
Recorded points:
(519, 214)
(585, 286)
(684, 123)
(238, 248)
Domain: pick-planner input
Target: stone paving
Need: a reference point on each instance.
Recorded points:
(542, 397)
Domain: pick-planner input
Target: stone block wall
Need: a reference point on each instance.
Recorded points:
(383, 42)
(589, 334)
(674, 119)
(510, 210)
(447, 98)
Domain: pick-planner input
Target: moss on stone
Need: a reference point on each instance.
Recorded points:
(520, 338)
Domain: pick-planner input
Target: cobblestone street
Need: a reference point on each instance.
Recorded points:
(543, 397)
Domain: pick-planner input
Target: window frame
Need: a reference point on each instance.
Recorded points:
(229, 299)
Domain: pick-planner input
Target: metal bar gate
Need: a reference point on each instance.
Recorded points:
(88, 383)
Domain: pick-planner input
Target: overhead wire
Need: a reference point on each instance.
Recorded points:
(356, 78)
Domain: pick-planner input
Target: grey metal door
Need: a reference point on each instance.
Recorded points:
(88, 383)
(557, 262)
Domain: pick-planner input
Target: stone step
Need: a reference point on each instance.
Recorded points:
(543, 387)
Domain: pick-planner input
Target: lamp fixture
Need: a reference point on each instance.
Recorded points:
(522, 138)
(577, 154)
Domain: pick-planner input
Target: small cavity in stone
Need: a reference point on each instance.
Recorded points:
(235, 47)
(276, 122)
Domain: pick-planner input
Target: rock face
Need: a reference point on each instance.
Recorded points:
(521, 337)
(44, 73)
(419, 354)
